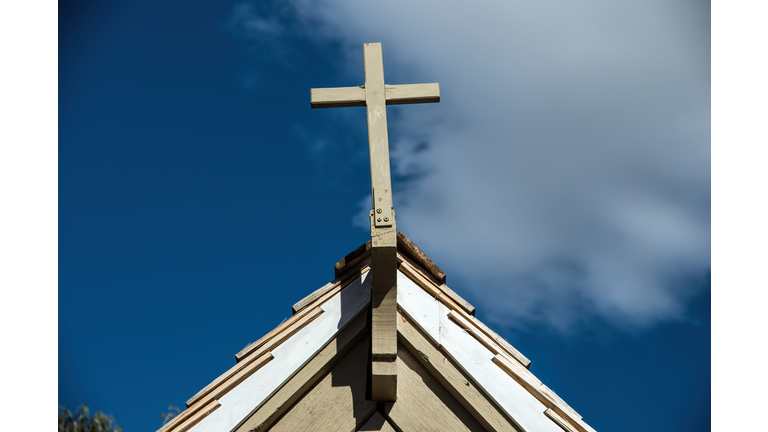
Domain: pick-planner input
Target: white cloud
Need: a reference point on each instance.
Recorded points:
(564, 176)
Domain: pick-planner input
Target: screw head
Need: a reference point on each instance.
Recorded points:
(378, 210)
(386, 219)
(378, 220)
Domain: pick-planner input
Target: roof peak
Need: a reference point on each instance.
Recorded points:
(404, 245)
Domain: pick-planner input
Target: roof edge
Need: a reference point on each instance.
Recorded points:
(404, 245)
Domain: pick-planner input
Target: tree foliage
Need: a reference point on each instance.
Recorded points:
(173, 411)
(82, 421)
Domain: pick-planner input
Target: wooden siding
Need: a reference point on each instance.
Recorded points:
(377, 423)
(337, 402)
(423, 404)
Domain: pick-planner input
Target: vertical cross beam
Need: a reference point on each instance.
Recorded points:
(383, 235)
(375, 96)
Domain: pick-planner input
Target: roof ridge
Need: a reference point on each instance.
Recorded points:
(404, 246)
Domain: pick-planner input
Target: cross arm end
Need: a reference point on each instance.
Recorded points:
(337, 97)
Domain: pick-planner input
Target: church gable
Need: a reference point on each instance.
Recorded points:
(312, 371)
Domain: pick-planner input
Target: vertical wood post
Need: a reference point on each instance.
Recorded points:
(375, 95)
(383, 235)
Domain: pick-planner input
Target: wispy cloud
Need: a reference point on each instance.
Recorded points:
(564, 177)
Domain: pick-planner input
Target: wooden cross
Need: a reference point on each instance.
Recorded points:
(374, 96)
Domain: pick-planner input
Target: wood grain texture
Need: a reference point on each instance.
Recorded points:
(481, 337)
(384, 323)
(406, 248)
(471, 357)
(210, 407)
(223, 384)
(257, 351)
(413, 274)
(409, 249)
(412, 93)
(501, 341)
(337, 402)
(263, 416)
(559, 420)
(337, 97)
(377, 423)
(337, 285)
(461, 387)
(342, 280)
(352, 258)
(458, 299)
(378, 141)
(542, 393)
(384, 303)
(423, 404)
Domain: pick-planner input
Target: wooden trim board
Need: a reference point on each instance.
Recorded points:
(271, 344)
(481, 337)
(350, 272)
(408, 269)
(542, 393)
(563, 423)
(471, 357)
(264, 415)
(463, 388)
(405, 247)
(223, 384)
(201, 414)
(289, 357)
(339, 284)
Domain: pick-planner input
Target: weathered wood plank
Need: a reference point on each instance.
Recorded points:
(258, 350)
(378, 141)
(471, 357)
(544, 395)
(338, 285)
(559, 420)
(336, 401)
(460, 386)
(301, 304)
(377, 423)
(341, 279)
(384, 323)
(337, 97)
(409, 249)
(412, 93)
(501, 341)
(481, 337)
(198, 416)
(351, 259)
(423, 404)
(264, 415)
(408, 269)
(405, 247)
(223, 384)
(194, 414)
(458, 299)
(290, 357)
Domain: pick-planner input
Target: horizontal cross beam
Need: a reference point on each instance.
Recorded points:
(355, 96)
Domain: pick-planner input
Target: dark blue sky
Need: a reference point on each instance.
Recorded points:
(200, 197)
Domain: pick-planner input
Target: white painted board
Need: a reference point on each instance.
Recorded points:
(289, 357)
(475, 359)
